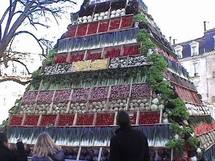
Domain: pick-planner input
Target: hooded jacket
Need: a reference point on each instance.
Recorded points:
(6, 154)
(129, 145)
(21, 153)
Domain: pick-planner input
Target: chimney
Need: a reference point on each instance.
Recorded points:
(205, 26)
(170, 40)
(174, 41)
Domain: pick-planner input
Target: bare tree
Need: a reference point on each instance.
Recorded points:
(20, 11)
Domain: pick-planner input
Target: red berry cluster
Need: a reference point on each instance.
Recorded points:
(16, 120)
(74, 57)
(48, 120)
(105, 119)
(93, 55)
(31, 120)
(92, 29)
(103, 26)
(149, 118)
(65, 120)
(203, 128)
(115, 24)
(99, 27)
(60, 58)
(127, 21)
(82, 30)
(112, 52)
(85, 119)
(131, 50)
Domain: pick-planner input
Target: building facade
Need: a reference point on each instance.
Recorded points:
(198, 57)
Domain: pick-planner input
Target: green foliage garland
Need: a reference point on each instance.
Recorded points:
(49, 60)
(145, 41)
(4, 125)
(140, 18)
(176, 144)
(175, 107)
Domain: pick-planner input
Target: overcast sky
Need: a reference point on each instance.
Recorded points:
(182, 19)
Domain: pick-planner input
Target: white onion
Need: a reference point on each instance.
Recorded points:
(113, 12)
(118, 11)
(155, 101)
(84, 18)
(112, 16)
(176, 136)
(161, 107)
(117, 14)
(102, 14)
(147, 107)
(142, 105)
(123, 10)
(194, 158)
(122, 13)
(154, 107)
(106, 13)
(198, 150)
(100, 18)
(166, 121)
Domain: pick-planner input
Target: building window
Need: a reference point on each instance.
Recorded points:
(213, 99)
(194, 48)
(214, 41)
(178, 51)
(195, 66)
(213, 74)
(194, 51)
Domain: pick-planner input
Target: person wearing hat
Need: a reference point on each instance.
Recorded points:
(128, 144)
(5, 153)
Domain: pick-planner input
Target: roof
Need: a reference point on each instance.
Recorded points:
(206, 44)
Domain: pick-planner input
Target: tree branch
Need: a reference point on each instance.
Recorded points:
(34, 24)
(28, 8)
(14, 79)
(10, 16)
(29, 33)
(4, 15)
(23, 64)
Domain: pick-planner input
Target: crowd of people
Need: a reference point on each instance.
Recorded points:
(18, 153)
(127, 144)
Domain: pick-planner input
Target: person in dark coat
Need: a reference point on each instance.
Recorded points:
(21, 153)
(128, 144)
(5, 153)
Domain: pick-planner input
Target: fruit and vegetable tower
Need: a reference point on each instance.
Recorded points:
(113, 57)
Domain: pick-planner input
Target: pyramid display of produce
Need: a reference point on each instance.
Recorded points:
(113, 57)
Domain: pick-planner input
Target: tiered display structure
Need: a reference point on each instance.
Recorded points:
(113, 57)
